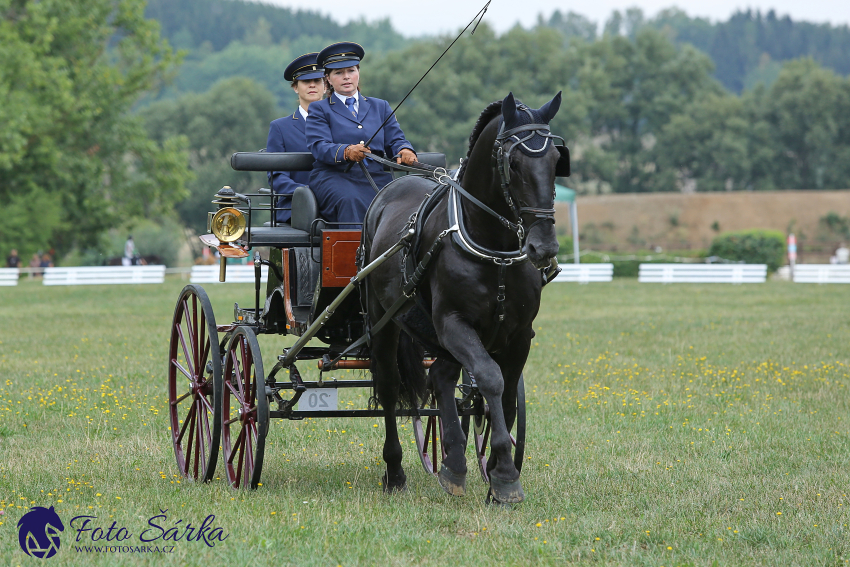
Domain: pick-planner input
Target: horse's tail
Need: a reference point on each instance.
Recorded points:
(411, 391)
(409, 357)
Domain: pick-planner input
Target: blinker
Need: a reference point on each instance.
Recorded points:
(562, 168)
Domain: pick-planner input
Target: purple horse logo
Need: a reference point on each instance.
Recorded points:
(38, 532)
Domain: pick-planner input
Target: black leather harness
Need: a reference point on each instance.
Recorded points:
(447, 187)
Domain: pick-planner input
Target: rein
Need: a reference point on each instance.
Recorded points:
(460, 236)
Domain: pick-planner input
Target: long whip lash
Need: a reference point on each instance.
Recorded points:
(479, 16)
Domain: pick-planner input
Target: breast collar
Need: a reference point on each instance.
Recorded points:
(463, 240)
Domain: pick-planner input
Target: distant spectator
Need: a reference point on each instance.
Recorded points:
(46, 261)
(13, 261)
(842, 254)
(129, 251)
(35, 262)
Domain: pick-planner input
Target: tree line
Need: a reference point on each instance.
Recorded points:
(749, 48)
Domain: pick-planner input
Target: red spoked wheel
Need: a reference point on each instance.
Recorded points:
(429, 438)
(481, 432)
(194, 385)
(244, 409)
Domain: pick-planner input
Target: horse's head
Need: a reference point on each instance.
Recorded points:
(528, 161)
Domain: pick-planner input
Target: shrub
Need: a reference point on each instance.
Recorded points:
(751, 246)
(565, 244)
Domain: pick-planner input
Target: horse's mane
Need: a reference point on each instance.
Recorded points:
(492, 110)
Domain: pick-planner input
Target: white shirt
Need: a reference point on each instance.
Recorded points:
(303, 112)
(356, 101)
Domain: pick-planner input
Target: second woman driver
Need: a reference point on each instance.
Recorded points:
(287, 134)
(337, 130)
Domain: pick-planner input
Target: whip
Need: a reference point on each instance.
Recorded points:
(479, 16)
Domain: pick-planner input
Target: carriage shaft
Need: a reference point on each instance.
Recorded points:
(323, 318)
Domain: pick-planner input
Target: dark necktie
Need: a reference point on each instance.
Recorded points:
(349, 102)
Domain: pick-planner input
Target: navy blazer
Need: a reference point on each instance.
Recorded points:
(330, 128)
(287, 135)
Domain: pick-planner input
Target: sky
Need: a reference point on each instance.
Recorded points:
(429, 17)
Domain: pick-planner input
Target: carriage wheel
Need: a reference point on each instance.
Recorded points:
(245, 410)
(427, 437)
(194, 385)
(481, 432)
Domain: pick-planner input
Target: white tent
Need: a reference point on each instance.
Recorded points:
(567, 195)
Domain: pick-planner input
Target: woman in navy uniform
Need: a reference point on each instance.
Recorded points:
(287, 134)
(337, 130)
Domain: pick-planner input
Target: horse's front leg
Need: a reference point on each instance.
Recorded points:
(452, 475)
(511, 360)
(463, 342)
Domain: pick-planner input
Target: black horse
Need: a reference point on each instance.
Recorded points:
(476, 302)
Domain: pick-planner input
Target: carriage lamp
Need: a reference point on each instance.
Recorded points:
(228, 224)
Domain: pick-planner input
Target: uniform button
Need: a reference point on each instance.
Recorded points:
(359, 126)
(362, 142)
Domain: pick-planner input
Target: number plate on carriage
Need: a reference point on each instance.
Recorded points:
(319, 399)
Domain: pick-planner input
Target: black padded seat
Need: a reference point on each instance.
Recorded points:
(281, 236)
(305, 208)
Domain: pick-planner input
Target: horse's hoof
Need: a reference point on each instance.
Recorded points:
(493, 503)
(506, 492)
(393, 488)
(453, 483)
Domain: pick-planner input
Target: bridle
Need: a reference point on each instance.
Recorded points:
(502, 164)
(506, 141)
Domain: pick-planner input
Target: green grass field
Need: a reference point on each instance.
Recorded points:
(668, 425)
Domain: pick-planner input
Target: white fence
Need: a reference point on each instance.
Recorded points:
(243, 273)
(104, 275)
(822, 273)
(9, 276)
(585, 273)
(702, 273)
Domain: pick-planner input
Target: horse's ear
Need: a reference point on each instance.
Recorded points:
(508, 109)
(550, 109)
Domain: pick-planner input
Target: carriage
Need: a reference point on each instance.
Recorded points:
(222, 398)
(385, 298)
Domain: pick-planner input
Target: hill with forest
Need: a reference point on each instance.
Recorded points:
(747, 49)
(225, 38)
(212, 25)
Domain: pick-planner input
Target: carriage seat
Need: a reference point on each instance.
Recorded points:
(305, 210)
(304, 205)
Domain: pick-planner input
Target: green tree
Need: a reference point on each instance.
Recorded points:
(707, 143)
(69, 73)
(807, 112)
(632, 90)
(233, 116)
(441, 112)
(570, 25)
